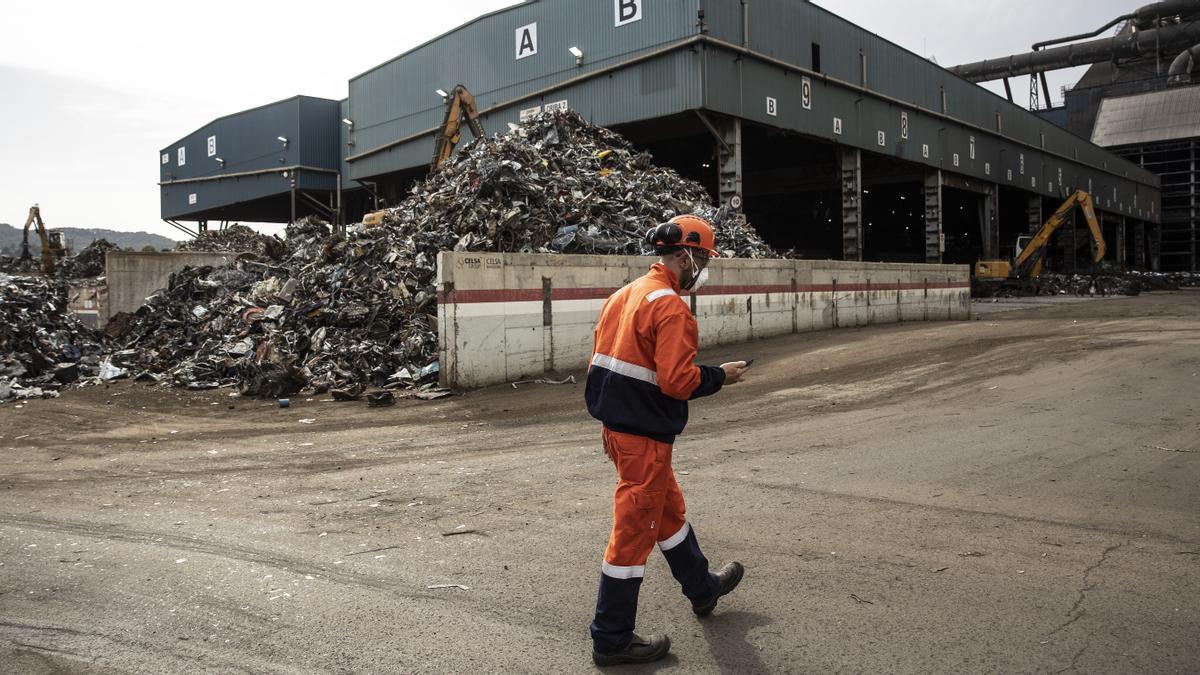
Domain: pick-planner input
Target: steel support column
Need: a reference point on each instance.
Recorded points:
(1154, 247)
(934, 246)
(989, 222)
(1194, 184)
(1035, 214)
(729, 161)
(1139, 245)
(1122, 257)
(852, 225)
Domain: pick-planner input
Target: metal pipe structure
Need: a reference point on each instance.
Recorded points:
(1136, 43)
(1141, 18)
(1184, 65)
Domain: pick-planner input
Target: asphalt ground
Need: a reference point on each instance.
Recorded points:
(1015, 493)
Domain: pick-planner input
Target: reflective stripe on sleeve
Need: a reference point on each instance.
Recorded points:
(622, 572)
(675, 539)
(624, 368)
(660, 293)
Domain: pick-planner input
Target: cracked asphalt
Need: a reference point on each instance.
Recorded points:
(1017, 493)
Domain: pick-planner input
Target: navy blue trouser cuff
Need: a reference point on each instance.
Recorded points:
(690, 567)
(616, 613)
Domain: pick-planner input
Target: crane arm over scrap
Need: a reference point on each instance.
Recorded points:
(1027, 265)
(53, 242)
(460, 108)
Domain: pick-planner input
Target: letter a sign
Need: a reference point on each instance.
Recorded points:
(627, 11)
(526, 41)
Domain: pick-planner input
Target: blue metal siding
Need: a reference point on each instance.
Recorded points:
(319, 137)
(740, 87)
(397, 99)
(786, 29)
(217, 194)
(345, 136)
(249, 141)
(664, 86)
(660, 87)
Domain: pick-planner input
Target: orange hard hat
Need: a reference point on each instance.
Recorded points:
(691, 231)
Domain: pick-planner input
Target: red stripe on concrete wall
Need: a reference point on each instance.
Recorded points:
(536, 295)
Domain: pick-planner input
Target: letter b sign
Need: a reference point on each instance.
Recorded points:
(627, 11)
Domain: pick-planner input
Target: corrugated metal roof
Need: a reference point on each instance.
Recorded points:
(1149, 118)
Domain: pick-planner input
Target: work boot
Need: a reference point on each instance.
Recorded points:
(727, 580)
(640, 650)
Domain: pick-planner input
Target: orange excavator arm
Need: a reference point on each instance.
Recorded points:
(460, 107)
(1029, 260)
(35, 220)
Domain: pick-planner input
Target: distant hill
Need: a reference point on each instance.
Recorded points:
(78, 237)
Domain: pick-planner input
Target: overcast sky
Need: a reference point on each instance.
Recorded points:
(90, 91)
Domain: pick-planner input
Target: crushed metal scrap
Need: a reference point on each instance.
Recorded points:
(15, 265)
(341, 312)
(557, 184)
(234, 239)
(43, 346)
(89, 262)
(1107, 282)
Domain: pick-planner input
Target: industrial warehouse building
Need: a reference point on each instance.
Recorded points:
(834, 141)
(1140, 99)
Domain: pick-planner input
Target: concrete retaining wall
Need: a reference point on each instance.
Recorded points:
(132, 276)
(506, 316)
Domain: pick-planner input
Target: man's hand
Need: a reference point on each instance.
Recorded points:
(734, 371)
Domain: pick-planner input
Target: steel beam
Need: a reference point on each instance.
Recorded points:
(1154, 247)
(852, 214)
(934, 242)
(989, 222)
(1139, 245)
(1035, 214)
(729, 162)
(727, 132)
(1194, 184)
(1122, 256)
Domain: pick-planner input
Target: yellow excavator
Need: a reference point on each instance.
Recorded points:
(1026, 267)
(460, 109)
(54, 242)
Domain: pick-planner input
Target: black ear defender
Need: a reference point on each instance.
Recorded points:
(667, 234)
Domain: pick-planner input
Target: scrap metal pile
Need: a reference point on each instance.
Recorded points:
(43, 346)
(1106, 282)
(88, 263)
(235, 239)
(14, 265)
(558, 184)
(1115, 283)
(343, 313)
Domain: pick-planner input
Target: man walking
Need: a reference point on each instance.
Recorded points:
(639, 382)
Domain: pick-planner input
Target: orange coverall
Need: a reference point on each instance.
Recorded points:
(640, 380)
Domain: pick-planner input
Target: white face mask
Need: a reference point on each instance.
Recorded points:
(699, 276)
